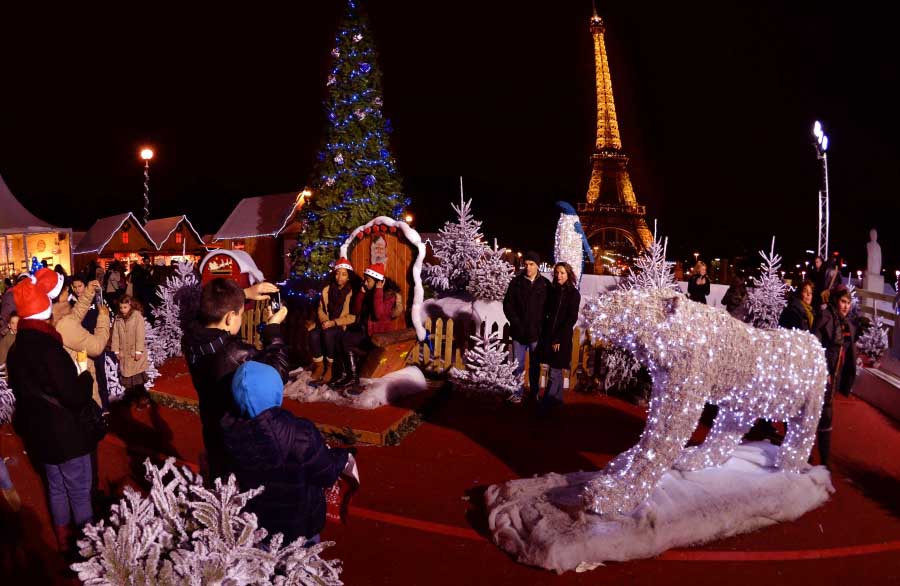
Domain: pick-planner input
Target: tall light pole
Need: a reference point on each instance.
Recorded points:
(824, 213)
(146, 154)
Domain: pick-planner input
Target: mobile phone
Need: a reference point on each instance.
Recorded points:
(275, 300)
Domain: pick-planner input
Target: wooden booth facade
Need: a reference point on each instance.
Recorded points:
(176, 239)
(120, 237)
(266, 228)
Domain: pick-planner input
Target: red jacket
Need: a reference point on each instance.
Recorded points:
(383, 312)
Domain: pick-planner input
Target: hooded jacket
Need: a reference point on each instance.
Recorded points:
(268, 446)
(212, 356)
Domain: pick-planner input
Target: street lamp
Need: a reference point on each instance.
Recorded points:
(824, 214)
(146, 155)
(408, 218)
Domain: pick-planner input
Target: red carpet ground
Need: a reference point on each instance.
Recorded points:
(418, 520)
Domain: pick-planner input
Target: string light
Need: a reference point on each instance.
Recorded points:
(698, 354)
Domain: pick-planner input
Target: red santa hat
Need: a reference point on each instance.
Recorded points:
(376, 271)
(50, 282)
(343, 263)
(31, 301)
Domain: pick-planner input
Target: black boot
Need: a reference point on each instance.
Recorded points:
(347, 377)
(353, 387)
(823, 438)
(337, 372)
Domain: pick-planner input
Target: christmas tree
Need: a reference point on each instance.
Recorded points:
(113, 386)
(489, 367)
(767, 297)
(183, 534)
(355, 178)
(491, 275)
(7, 399)
(151, 346)
(460, 248)
(651, 270)
(874, 340)
(179, 300)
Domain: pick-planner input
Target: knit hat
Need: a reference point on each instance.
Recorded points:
(376, 271)
(256, 387)
(533, 257)
(31, 301)
(50, 282)
(343, 263)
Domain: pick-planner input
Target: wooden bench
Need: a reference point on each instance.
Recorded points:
(390, 354)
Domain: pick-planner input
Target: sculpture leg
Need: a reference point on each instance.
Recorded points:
(723, 438)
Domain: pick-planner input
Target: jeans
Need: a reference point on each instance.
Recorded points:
(326, 340)
(534, 367)
(69, 488)
(5, 480)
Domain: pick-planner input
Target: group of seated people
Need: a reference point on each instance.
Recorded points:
(351, 310)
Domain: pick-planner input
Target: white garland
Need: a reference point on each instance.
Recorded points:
(7, 398)
(767, 298)
(491, 276)
(698, 354)
(185, 535)
(459, 249)
(489, 367)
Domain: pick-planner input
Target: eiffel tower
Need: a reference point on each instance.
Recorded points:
(613, 220)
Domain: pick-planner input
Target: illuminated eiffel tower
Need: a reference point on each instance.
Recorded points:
(612, 218)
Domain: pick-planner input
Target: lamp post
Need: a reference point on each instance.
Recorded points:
(824, 214)
(146, 155)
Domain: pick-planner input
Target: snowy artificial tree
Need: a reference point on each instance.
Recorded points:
(151, 347)
(183, 534)
(7, 399)
(113, 386)
(460, 248)
(491, 276)
(489, 368)
(767, 297)
(874, 341)
(355, 177)
(179, 300)
(651, 270)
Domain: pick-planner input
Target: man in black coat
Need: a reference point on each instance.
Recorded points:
(524, 308)
(50, 394)
(268, 446)
(214, 350)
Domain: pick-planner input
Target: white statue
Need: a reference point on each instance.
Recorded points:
(874, 253)
(873, 280)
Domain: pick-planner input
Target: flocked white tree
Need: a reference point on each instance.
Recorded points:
(491, 275)
(489, 367)
(151, 346)
(7, 399)
(185, 535)
(651, 270)
(874, 341)
(113, 386)
(459, 249)
(179, 300)
(767, 297)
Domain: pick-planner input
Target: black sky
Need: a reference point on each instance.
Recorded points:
(715, 105)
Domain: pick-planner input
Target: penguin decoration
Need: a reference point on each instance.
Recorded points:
(571, 242)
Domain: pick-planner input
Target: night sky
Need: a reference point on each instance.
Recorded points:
(715, 105)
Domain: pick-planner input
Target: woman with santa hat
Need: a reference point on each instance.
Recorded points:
(334, 315)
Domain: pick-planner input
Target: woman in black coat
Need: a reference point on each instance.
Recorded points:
(698, 284)
(799, 313)
(555, 342)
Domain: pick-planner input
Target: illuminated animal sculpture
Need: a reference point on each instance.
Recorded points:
(698, 354)
(571, 243)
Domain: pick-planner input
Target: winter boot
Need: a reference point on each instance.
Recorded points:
(353, 388)
(823, 438)
(337, 371)
(64, 539)
(318, 370)
(329, 371)
(142, 397)
(346, 376)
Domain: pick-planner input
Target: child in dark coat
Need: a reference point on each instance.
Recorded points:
(268, 446)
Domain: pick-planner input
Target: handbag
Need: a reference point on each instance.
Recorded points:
(90, 416)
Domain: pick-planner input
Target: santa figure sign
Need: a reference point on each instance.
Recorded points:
(236, 265)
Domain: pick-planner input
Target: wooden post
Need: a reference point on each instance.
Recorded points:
(426, 352)
(448, 346)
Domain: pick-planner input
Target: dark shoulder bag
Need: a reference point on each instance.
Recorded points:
(90, 416)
